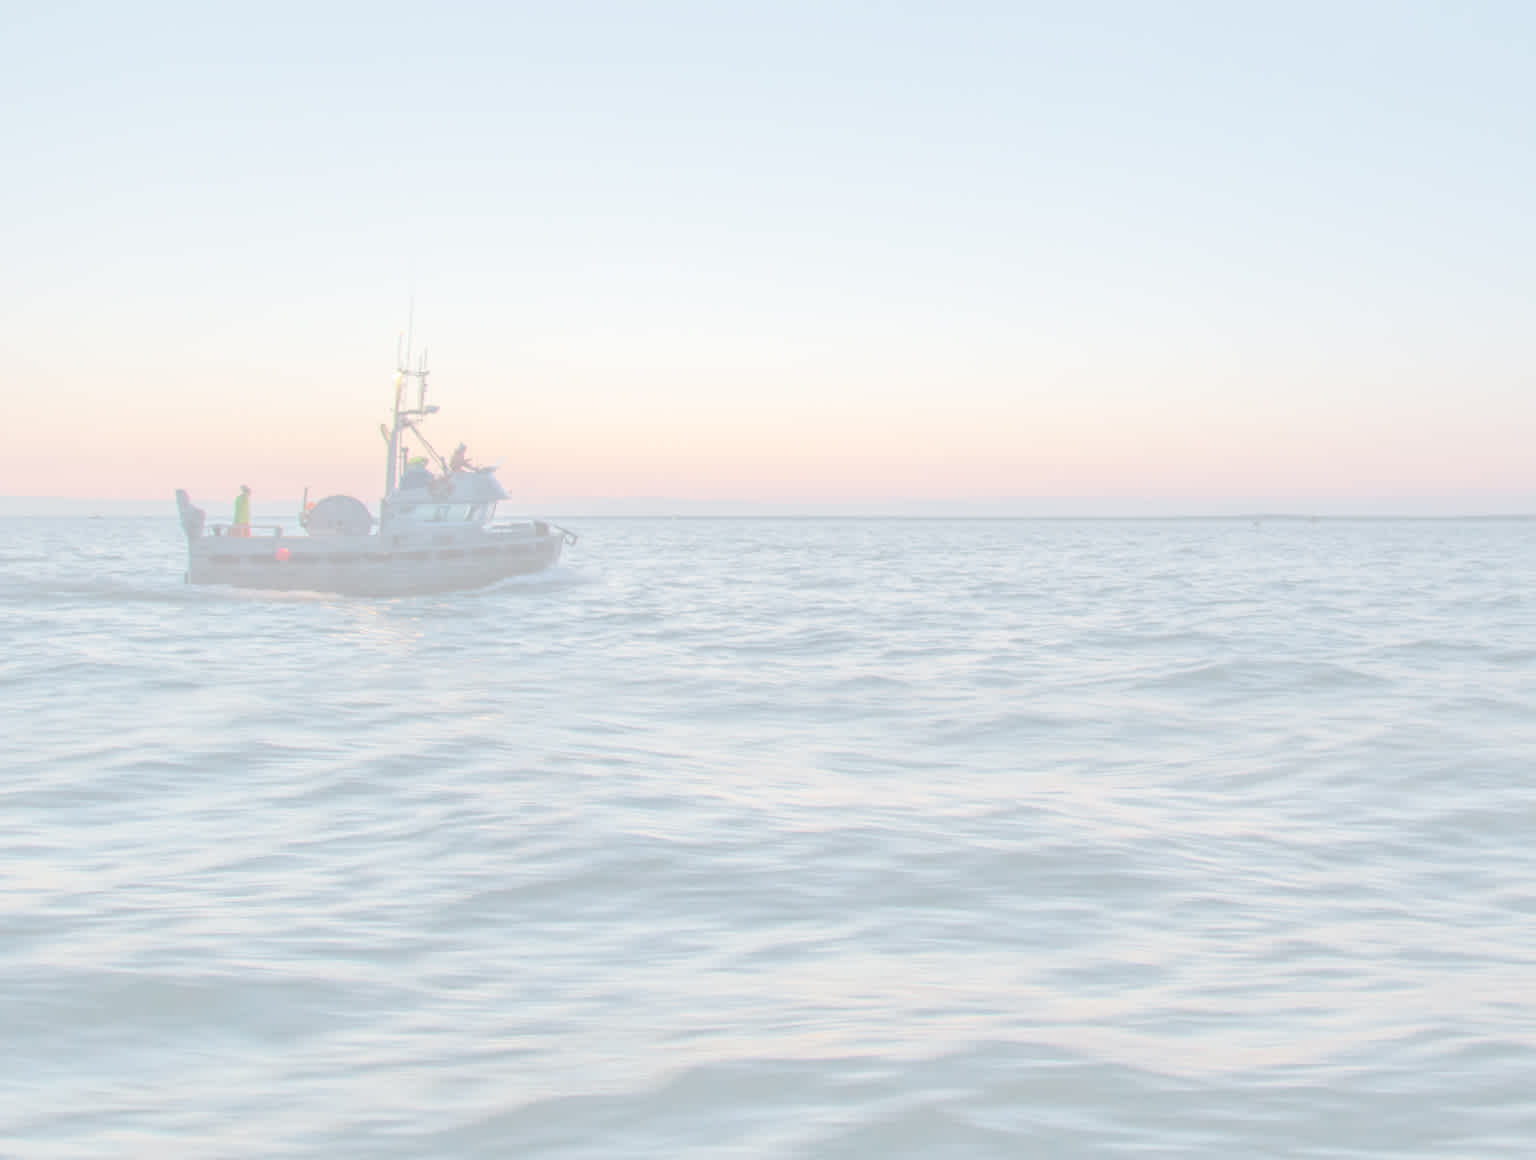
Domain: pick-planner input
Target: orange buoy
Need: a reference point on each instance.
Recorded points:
(282, 555)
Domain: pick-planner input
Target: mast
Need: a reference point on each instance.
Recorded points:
(402, 370)
(405, 415)
(393, 435)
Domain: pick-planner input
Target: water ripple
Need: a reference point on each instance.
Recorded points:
(779, 838)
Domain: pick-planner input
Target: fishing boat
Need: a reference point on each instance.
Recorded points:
(437, 530)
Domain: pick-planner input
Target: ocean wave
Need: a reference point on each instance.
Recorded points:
(968, 839)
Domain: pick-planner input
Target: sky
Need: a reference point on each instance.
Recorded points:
(1178, 257)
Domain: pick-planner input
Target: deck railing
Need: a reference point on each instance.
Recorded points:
(244, 531)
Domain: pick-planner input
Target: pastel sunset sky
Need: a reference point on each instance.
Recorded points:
(1188, 254)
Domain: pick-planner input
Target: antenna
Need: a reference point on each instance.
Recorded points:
(410, 327)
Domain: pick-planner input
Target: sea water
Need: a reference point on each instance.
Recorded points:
(799, 838)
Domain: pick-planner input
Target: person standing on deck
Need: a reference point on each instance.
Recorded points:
(242, 522)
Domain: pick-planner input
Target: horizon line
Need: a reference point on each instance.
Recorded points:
(660, 507)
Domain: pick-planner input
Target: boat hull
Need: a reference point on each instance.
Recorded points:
(373, 565)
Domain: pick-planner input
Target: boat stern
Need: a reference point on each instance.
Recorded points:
(192, 516)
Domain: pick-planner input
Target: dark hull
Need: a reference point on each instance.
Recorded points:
(365, 566)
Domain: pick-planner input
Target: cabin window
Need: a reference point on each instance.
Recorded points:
(440, 514)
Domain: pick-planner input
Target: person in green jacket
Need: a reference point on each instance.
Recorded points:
(242, 522)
